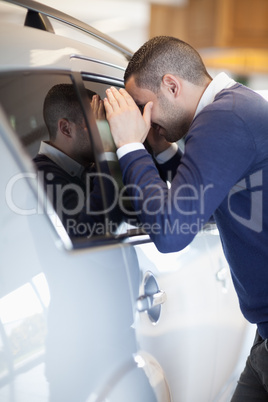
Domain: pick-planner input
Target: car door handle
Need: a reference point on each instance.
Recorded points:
(147, 302)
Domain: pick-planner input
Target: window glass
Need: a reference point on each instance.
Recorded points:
(72, 150)
(46, 114)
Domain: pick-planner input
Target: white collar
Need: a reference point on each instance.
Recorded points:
(220, 82)
(68, 164)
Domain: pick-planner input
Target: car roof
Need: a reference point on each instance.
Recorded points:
(52, 45)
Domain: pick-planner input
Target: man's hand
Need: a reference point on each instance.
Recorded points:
(98, 107)
(127, 125)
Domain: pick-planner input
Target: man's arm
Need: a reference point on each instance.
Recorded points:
(216, 157)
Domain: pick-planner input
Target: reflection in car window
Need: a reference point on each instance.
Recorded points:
(22, 97)
(86, 210)
(46, 114)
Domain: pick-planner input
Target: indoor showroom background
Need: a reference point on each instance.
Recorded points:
(129, 23)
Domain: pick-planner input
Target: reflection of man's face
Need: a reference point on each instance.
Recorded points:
(82, 150)
(167, 119)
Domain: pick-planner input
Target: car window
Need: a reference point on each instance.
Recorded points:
(22, 97)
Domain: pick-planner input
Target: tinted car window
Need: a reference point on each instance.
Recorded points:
(22, 97)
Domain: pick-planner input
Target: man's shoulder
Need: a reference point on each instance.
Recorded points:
(47, 165)
(239, 98)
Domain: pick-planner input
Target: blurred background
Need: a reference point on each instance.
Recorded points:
(231, 35)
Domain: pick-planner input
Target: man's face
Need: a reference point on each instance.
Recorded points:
(168, 119)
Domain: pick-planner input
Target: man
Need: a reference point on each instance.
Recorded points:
(223, 171)
(66, 159)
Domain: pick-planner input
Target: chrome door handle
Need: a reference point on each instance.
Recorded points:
(145, 303)
(152, 299)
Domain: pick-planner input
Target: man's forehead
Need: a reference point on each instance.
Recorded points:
(140, 95)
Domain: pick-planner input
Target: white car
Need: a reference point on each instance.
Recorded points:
(105, 317)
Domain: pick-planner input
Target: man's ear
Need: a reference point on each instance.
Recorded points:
(171, 84)
(64, 127)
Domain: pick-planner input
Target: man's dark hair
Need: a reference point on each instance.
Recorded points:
(165, 55)
(61, 102)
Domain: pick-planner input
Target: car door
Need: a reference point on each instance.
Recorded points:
(85, 302)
